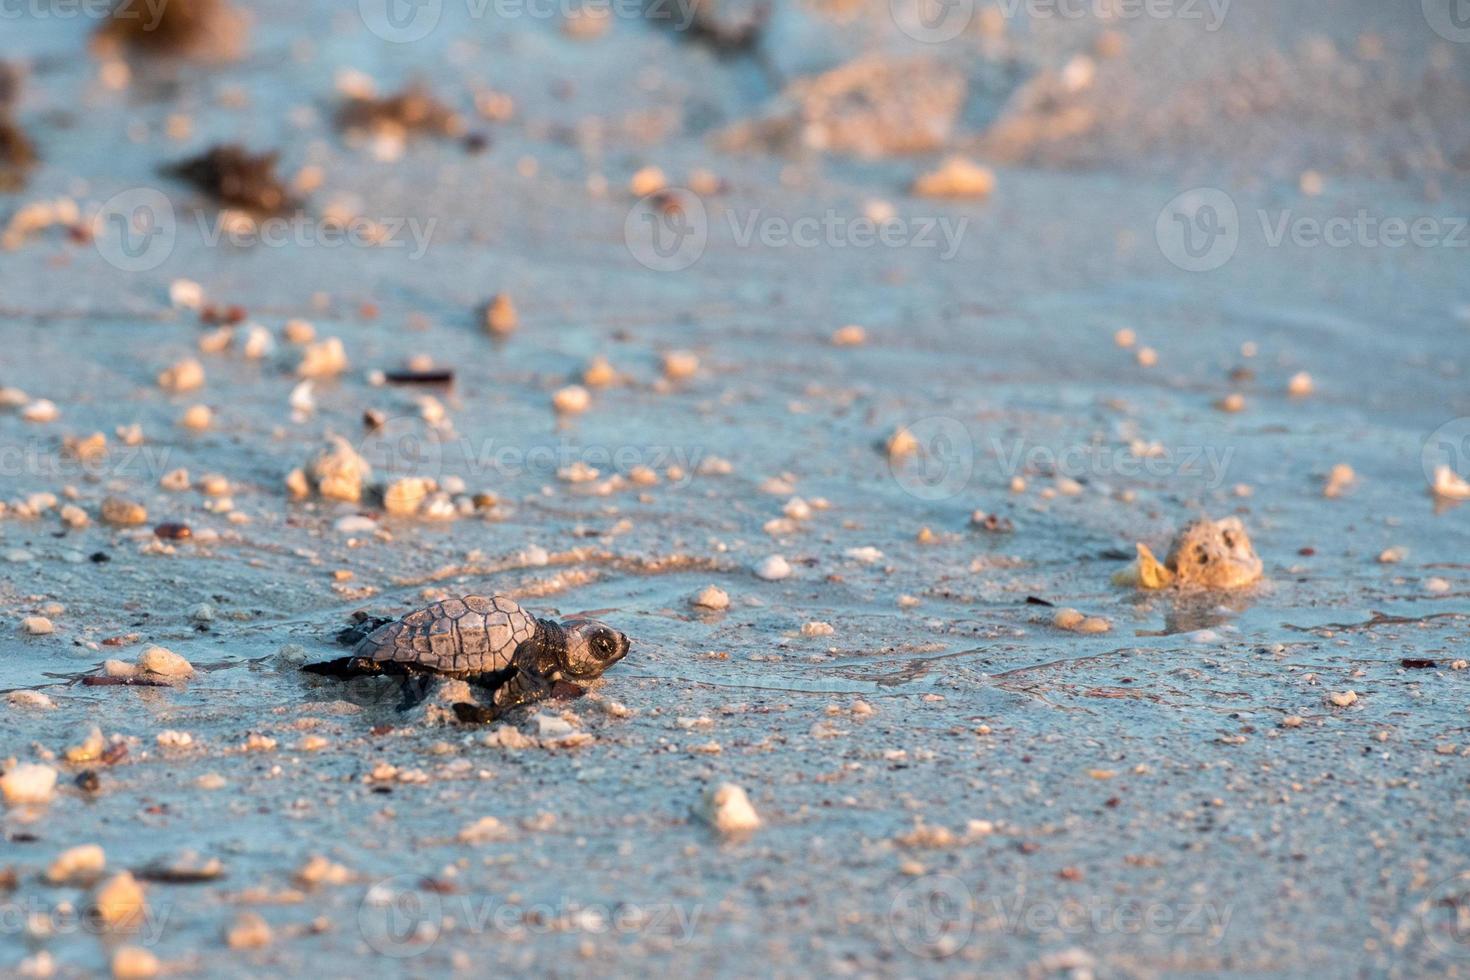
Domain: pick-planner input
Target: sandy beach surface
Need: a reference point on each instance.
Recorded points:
(1222, 271)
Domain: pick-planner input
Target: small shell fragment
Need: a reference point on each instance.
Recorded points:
(728, 810)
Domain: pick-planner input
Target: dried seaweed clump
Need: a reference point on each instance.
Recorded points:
(410, 112)
(1206, 554)
(871, 107)
(235, 178)
(17, 155)
(209, 30)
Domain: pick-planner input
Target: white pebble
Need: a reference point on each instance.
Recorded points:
(727, 809)
(773, 569)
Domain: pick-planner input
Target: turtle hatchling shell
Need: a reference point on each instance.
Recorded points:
(470, 635)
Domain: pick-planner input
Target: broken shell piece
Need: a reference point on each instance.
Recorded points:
(571, 400)
(1205, 554)
(1449, 484)
(599, 373)
(119, 900)
(711, 597)
(1338, 480)
(75, 866)
(728, 810)
(28, 782)
(680, 365)
(404, 497)
(956, 177)
(123, 513)
(163, 662)
(322, 359)
(500, 316)
(186, 375)
(338, 471)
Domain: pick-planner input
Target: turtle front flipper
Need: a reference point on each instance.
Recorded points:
(507, 689)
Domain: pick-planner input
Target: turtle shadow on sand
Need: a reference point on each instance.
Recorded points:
(1190, 610)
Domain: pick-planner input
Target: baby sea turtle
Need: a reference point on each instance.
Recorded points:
(488, 641)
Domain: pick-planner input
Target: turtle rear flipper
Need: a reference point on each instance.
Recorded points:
(345, 668)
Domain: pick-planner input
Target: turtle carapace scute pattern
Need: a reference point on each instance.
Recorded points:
(488, 641)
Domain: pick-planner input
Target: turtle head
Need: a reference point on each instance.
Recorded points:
(590, 648)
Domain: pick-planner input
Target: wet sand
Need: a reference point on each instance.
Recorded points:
(946, 781)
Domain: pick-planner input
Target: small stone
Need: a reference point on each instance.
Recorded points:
(1300, 385)
(119, 900)
(1343, 699)
(121, 512)
(298, 331)
(1436, 585)
(37, 626)
(37, 966)
(1339, 479)
(1067, 619)
(773, 569)
(484, 831)
(404, 497)
(1147, 357)
(500, 316)
(186, 375)
(322, 359)
(711, 597)
(1394, 555)
(901, 444)
(680, 365)
(197, 418)
(163, 662)
(249, 930)
(175, 480)
(134, 963)
(956, 177)
(1125, 338)
(29, 699)
(40, 410)
(728, 810)
(599, 373)
(186, 294)
(89, 749)
(851, 335)
(211, 780)
(28, 782)
(571, 400)
(171, 739)
(338, 471)
(202, 613)
(817, 628)
(79, 866)
(74, 517)
(648, 180)
(867, 554)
